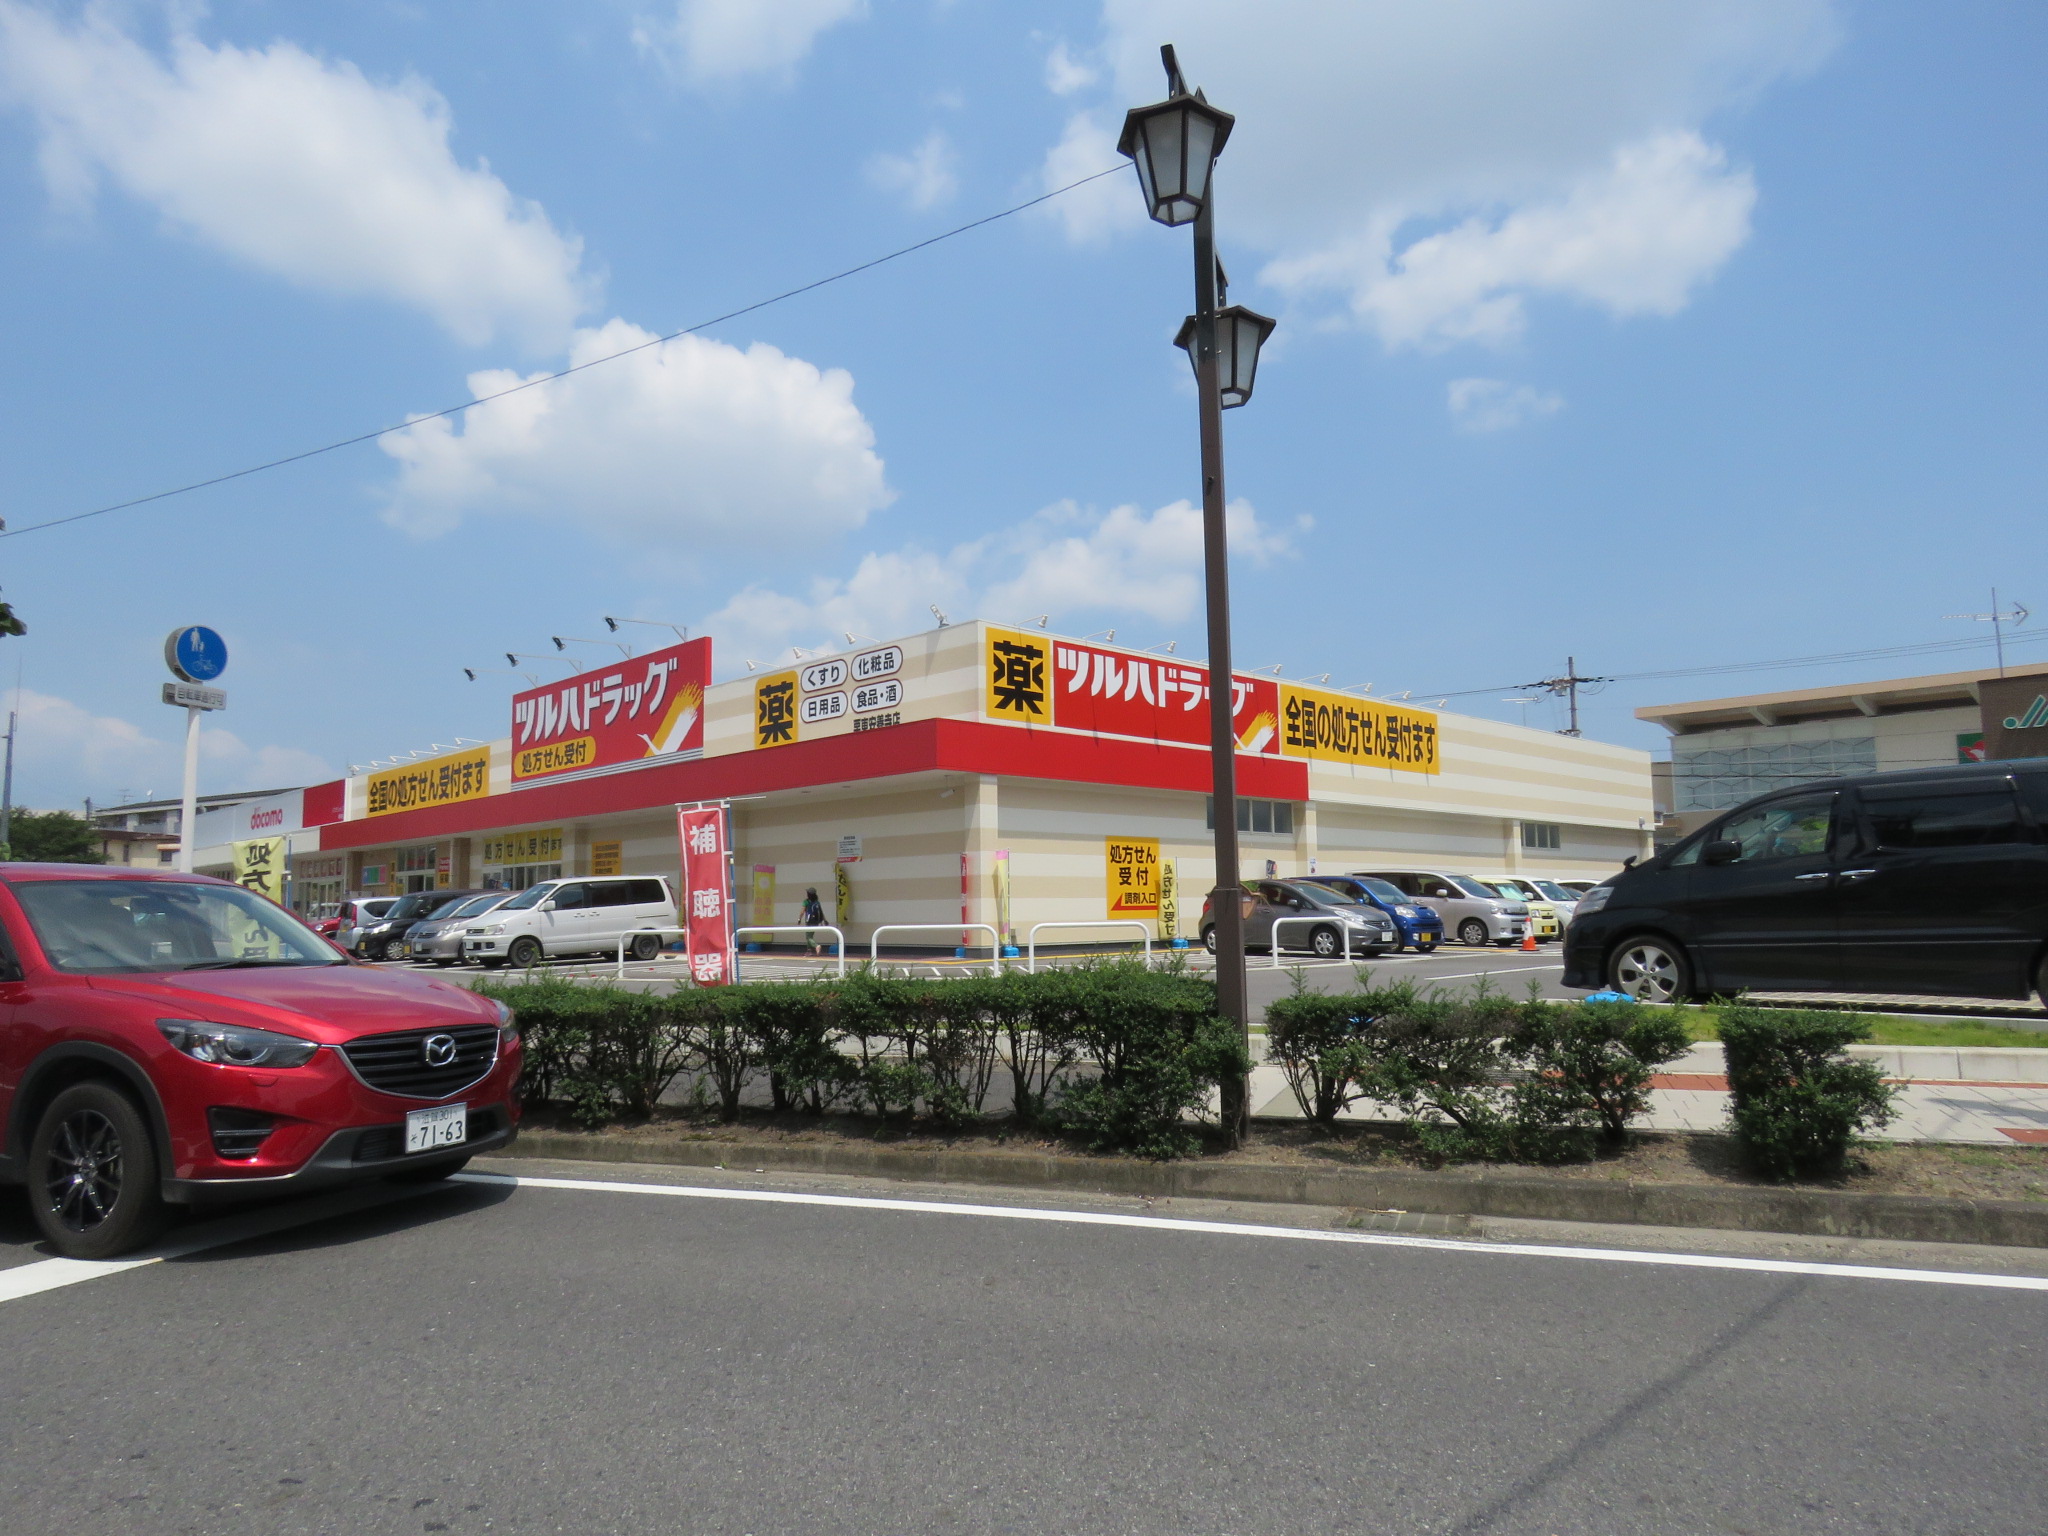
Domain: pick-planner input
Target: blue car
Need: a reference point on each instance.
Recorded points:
(1419, 928)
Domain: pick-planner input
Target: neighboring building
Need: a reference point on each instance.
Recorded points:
(146, 831)
(1724, 751)
(313, 883)
(971, 774)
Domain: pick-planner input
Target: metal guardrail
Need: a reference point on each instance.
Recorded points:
(995, 939)
(627, 938)
(1343, 931)
(793, 928)
(1031, 939)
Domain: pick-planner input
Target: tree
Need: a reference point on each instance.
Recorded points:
(9, 624)
(53, 837)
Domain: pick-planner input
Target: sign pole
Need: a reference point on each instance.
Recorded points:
(188, 813)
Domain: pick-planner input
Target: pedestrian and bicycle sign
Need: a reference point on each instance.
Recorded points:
(195, 654)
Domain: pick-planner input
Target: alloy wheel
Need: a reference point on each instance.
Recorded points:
(82, 1174)
(1648, 971)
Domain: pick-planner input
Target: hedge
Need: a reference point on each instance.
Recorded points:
(1124, 1056)
(1797, 1101)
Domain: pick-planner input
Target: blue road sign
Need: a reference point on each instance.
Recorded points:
(196, 654)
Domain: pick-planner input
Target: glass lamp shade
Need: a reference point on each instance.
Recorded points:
(1240, 333)
(1174, 143)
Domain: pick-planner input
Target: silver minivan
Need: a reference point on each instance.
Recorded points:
(1472, 910)
(574, 917)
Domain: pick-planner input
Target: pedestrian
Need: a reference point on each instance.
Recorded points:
(812, 918)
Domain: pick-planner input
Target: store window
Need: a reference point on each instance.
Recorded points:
(1274, 816)
(517, 877)
(413, 869)
(1547, 836)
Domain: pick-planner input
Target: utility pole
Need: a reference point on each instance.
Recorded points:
(1566, 687)
(7, 795)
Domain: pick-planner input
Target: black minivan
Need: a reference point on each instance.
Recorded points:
(1923, 880)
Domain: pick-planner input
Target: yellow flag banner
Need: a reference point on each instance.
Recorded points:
(259, 867)
(1341, 728)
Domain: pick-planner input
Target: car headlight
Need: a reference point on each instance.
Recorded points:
(489, 928)
(1593, 900)
(1405, 912)
(508, 1024)
(236, 1045)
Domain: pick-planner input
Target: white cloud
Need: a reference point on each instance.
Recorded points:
(923, 178)
(1064, 74)
(1102, 208)
(298, 166)
(687, 439)
(1427, 165)
(722, 39)
(1066, 562)
(82, 754)
(1493, 405)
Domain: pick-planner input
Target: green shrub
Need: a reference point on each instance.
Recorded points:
(788, 1026)
(722, 1052)
(1325, 1043)
(1037, 1018)
(1158, 1049)
(1443, 1062)
(1589, 1064)
(1797, 1102)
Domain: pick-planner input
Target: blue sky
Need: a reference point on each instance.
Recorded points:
(1661, 335)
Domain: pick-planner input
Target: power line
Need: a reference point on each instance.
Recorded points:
(549, 378)
(1925, 648)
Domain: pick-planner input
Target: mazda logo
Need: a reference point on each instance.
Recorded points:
(439, 1050)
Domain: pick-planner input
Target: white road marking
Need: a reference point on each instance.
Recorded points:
(1293, 1234)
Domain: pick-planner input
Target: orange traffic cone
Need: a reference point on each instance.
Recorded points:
(1529, 938)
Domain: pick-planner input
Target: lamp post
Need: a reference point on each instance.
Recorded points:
(1174, 144)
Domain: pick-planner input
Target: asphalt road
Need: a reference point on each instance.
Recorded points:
(488, 1358)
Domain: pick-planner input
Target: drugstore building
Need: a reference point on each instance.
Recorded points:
(976, 773)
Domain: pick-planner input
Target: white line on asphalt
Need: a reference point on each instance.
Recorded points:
(1295, 1234)
(50, 1274)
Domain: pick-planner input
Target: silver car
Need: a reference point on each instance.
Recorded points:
(1472, 910)
(439, 938)
(1316, 918)
(358, 913)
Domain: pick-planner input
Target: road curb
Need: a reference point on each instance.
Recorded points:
(1533, 1196)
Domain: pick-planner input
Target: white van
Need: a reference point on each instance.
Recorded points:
(574, 917)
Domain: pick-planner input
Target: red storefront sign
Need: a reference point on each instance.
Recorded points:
(651, 706)
(707, 895)
(1156, 698)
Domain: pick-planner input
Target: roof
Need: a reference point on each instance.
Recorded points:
(233, 797)
(1897, 695)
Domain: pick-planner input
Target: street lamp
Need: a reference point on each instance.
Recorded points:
(1174, 144)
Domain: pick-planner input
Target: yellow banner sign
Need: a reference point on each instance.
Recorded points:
(775, 710)
(1017, 665)
(541, 847)
(438, 781)
(555, 757)
(259, 867)
(1133, 876)
(607, 858)
(1339, 728)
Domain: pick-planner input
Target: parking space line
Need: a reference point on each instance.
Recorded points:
(1292, 1234)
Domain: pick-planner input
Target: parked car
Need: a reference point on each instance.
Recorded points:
(1929, 881)
(439, 938)
(573, 917)
(1559, 896)
(1415, 925)
(1298, 904)
(355, 914)
(1543, 914)
(1576, 887)
(174, 1040)
(383, 938)
(1470, 908)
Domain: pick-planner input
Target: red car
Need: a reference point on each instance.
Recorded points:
(174, 1040)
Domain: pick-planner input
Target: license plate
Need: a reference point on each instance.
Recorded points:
(428, 1130)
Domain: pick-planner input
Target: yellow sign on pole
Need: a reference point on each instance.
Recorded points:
(764, 895)
(842, 896)
(1133, 864)
(259, 867)
(1169, 898)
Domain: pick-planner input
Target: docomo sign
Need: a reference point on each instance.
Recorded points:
(651, 706)
(707, 894)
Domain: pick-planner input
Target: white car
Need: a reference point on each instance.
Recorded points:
(574, 917)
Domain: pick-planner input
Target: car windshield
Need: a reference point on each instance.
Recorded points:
(1324, 896)
(1554, 891)
(477, 906)
(114, 927)
(1514, 890)
(1474, 889)
(1386, 890)
(419, 904)
(529, 898)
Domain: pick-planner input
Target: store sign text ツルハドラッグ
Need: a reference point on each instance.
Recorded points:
(1041, 680)
(438, 781)
(650, 706)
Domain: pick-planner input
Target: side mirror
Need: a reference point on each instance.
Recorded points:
(1721, 851)
(10, 969)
